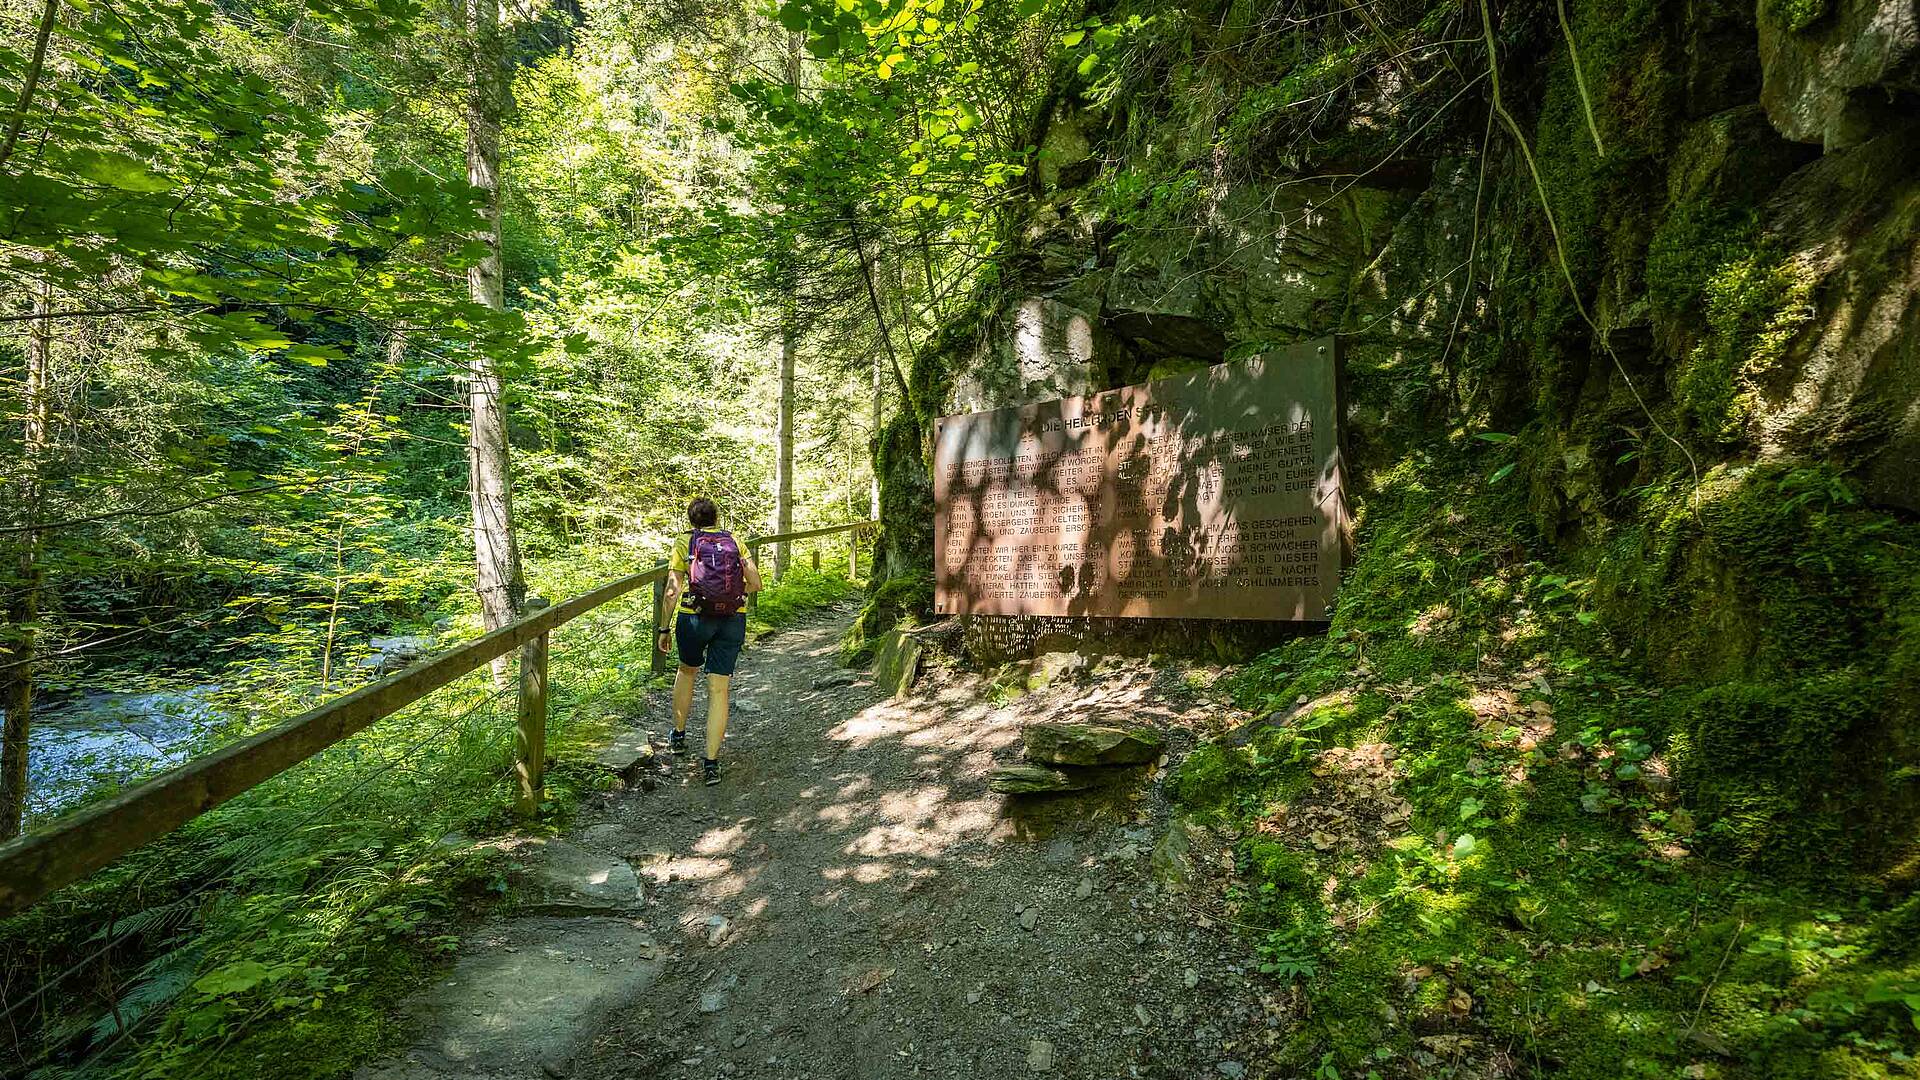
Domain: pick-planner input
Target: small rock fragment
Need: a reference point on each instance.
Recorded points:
(1191, 978)
(1084, 889)
(1040, 1056)
(1029, 918)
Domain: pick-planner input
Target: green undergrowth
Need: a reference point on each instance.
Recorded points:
(278, 934)
(801, 591)
(1501, 832)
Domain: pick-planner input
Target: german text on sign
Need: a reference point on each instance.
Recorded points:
(1211, 495)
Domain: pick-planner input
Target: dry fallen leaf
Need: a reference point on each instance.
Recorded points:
(1461, 1003)
(869, 980)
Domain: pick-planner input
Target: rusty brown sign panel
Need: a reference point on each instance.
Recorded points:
(1215, 495)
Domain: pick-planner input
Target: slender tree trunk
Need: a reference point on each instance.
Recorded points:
(879, 317)
(24, 610)
(879, 405)
(497, 577)
(789, 341)
(783, 460)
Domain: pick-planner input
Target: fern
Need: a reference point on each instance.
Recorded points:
(158, 983)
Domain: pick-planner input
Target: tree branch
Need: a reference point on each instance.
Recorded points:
(31, 81)
(147, 512)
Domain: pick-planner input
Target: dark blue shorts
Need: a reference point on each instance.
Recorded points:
(711, 640)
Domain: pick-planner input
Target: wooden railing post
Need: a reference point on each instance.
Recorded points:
(753, 598)
(660, 620)
(530, 737)
(816, 560)
(853, 554)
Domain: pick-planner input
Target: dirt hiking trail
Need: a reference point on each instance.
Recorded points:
(851, 901)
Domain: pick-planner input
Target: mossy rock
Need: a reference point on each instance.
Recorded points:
(1036, 780)
(1090, 744)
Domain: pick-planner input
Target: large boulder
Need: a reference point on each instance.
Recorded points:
(1090, 744)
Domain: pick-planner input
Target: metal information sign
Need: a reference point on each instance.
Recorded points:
(1215, 495)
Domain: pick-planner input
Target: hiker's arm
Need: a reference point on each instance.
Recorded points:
(669, 604)
(750, 572)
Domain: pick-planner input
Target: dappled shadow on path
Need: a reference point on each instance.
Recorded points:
(852, 901)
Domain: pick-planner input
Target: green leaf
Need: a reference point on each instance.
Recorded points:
(1029, 8)
(1072, 38)
(235, 978)
(794, 17)
(304, 354)
(117, 170)
(1494, 436)
(1467, 845)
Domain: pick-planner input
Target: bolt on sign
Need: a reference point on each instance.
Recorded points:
(1215, 495)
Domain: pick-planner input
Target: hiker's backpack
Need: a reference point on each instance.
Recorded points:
(716, 578)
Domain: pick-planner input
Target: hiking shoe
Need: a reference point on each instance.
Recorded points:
(710, 771)
(677, 742)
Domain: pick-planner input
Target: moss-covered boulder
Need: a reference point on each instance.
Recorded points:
(1089, 744)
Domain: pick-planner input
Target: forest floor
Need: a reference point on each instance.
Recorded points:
(851, 901)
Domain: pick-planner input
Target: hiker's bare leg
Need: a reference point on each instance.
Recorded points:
(683, 696)
(719, 688)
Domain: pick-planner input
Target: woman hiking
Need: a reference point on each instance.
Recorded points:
(708, 581)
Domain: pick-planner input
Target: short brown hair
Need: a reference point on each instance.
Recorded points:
(702, 514)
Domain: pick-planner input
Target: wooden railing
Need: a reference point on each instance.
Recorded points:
(78, 844)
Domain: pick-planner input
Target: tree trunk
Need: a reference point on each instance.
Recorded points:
(18, 655)
(789, 341)
(783, 460)
(879, 405)
(496, 554)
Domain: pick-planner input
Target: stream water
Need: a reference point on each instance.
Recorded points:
(99, 739)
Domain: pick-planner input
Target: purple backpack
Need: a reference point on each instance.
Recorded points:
(716, 580)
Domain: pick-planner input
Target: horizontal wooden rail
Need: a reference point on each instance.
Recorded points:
(778, 538)
(77, 845)
(755, 543)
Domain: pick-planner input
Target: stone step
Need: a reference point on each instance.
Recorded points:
(524, 997)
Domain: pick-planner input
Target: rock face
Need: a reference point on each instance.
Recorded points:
(1035, 780)
(1726, 309)
(1089, 744)
(1836, 70)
